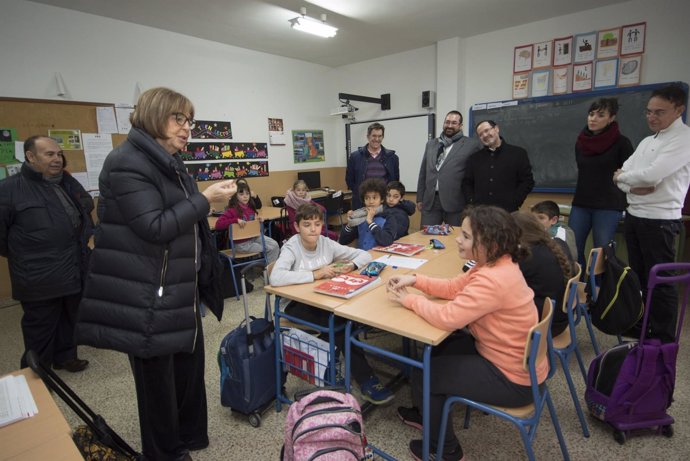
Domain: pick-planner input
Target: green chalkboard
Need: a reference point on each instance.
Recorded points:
(548, 127)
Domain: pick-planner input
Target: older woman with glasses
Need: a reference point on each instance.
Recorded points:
(153, 264)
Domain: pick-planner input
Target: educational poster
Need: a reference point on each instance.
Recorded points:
(543, 53)
(203, 151)
(561, 79)
(608, 42)
(308, 146)
(67, 139)
(520, 85)
(212, 129)
(276, 133)
(633, 38)
(606, 73)
(540, 83)
(210, 171)
(630, 68)
(522, 58)
(585, 45)
(582, 77)
(562, 51)
(7, 138)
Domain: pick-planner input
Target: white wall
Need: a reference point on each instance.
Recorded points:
(489, 57)
(102, 60)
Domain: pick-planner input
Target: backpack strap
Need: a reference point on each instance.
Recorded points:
(645, 378)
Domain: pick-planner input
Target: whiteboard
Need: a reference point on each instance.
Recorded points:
(407, 136)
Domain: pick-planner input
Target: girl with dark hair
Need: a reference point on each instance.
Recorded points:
(600, 150)
(490, 311)
(547, 268)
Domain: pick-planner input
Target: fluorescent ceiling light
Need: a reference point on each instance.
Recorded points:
(313, 26)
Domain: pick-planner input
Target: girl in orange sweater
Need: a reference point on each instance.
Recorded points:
(490, 311)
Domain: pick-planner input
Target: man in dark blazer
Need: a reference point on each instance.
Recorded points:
(439, 195)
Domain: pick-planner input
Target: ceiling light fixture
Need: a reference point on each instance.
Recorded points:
(312, 26)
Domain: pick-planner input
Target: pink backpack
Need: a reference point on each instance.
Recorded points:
(325, 425)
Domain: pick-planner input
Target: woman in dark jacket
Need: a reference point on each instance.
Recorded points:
(598, 203)
(153, 263)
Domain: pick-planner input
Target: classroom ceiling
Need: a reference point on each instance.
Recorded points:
(367, 28)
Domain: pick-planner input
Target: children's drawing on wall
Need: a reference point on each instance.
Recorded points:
(582, 77)
(522, 58)
(276, 133)
(585, 47)
(308, 146)
(543, 54)
(633, 38)
(608, 43)
(201, 151)
(211, 171)
(562, 53)
(212, 129)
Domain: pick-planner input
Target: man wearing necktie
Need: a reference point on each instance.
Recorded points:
(439, 195)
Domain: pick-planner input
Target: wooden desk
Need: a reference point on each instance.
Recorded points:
(305, 293)
(269, 212)
(44, 436)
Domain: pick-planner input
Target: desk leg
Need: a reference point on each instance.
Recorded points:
(426, 391)
(278, 352)
(348, 349)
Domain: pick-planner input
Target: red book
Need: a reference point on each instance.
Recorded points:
(347, 285)
(404, 249)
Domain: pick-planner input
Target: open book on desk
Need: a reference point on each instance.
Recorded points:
(347, 285)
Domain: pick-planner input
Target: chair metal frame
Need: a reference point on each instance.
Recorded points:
(595, 266)
(565, 344)
(537, 349)
(251, 229)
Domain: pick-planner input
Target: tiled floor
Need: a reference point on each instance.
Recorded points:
(108, 387)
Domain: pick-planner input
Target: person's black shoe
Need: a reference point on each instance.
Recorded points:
(73, 366)
(410, 416)
(416, 452)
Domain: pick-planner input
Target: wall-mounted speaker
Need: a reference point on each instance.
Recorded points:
(428, 99)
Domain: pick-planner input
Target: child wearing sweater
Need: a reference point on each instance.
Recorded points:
(299, 195)
(490, 311)
(240, 210)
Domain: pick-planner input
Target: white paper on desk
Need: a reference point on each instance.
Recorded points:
(16, 401)
(105, 117)
(402, 261)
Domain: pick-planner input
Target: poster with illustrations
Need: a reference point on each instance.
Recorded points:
(522, 58)
(633, 38)
(543, 54)
(212, 129)
(582, 77)
(202, 151)
(608, 42)
(585, 47)
(211, 171)
(606, 73)
(540, 83)
(520, 85)
(562, 51)
(562, 79)
(630, 68)
(276, 133)
(308, 146)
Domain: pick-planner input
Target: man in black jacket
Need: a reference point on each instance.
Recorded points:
(45, 225)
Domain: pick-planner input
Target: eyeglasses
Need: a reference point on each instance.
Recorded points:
(656, 113)
(181, 119)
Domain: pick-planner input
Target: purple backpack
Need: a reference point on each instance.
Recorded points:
(632, 383)
(324, 425)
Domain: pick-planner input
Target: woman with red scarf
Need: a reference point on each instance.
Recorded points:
(600, 150)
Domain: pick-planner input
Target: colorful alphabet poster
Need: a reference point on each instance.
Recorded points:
(212, 129)
(211, 171)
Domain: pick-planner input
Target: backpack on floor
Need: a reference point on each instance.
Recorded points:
(632, 382)
(325, 425)
(618, 306)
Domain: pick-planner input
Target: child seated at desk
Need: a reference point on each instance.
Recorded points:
(299, 195)
(240, 211)
(549, 215)
(547, 268)
(254, 199)
(490, 311)
(309, 256)
(397, 205)
(372, 225)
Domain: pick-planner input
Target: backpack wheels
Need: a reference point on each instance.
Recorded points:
(255, 419)
(619, 436)
(667, 431)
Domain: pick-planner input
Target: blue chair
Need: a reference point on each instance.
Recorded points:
(251, 229)
(595, 267)
(565, 344)
(333, 203)
(537, 349)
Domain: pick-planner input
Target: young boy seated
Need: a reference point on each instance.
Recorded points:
(309, 256)
(548, 214)
(370, 225)
(399, 207)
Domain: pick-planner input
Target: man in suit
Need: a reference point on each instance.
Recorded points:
(439, 195)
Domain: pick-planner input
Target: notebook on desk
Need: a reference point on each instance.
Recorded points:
(347, 285)
(403, 249)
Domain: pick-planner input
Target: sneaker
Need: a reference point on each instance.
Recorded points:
(73, 366)
(411, 417)
(373, 391)
(416, 452)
